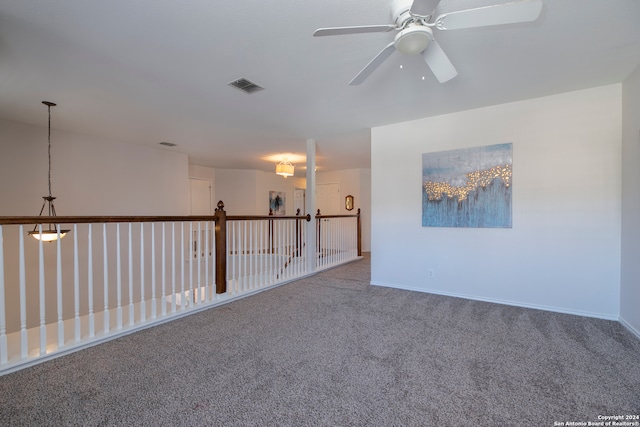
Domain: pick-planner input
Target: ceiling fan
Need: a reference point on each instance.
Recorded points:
(415, 21)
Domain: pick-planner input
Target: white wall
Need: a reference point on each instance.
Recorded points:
(246, 191)
(630, 267)
(89, 176)
(563, 252)
(268, 181)
(204, 172)
(237, 190)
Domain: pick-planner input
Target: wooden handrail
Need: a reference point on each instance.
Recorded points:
(16, 220)
(270, 217)
(318, 215)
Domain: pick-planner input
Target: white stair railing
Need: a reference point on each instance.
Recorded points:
(115, 275)
(264, 251)
(67, 294)
(337, 239)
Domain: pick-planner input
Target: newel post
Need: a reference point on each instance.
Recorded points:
(359, 234)
(221, 248)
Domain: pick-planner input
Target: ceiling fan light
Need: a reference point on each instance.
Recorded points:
(413, 40)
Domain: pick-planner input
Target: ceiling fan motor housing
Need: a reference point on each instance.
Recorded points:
(400, 11)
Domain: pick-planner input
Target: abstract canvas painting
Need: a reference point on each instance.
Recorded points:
(277, 202)
(469, 187)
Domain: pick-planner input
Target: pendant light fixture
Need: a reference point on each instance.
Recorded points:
(51, 233)
(285, 168)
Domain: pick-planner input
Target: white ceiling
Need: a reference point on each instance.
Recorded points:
(146, 71)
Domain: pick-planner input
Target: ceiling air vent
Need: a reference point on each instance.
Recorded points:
(245, 85)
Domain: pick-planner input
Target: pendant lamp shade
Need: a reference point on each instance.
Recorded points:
(285, 168)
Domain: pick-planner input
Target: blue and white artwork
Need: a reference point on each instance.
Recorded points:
(277, 202)
(470, 187)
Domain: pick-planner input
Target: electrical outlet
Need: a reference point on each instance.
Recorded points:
(431, 273)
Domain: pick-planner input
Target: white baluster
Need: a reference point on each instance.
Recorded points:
(338, 240)
(292, 247)
(206, 261)
(143, 305)
(24, 342)
(261, 252)
(243, 257)
(197, 295)
(59, 290)
(291, 252)
(3, 320)
(328, 230)
(173, 267)
(214, 295)
(43, 325)
(282, 247)
(130, 270)
(354, 232)
(303, 245)
(164, 277)
(105, 283)
(299, 247)
(118, 278)
(232, 273)
(76, 286)
(323, 242)
(252, 257)
(90, 281)
(191, 265)
(153, 270)
(182, 259)
(285, 252)
(272, 252)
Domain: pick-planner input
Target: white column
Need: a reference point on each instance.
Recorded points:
(310, 204)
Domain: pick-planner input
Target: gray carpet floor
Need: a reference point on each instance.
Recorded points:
(331, 350)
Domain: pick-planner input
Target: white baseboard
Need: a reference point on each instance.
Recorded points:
(630, 328)
(501, 301)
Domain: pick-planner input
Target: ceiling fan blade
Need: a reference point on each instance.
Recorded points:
(373, 64)
(506, 13)
(424, 7)
(336, 31)
(438, 62)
